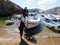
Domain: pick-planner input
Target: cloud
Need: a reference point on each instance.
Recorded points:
(29, 1)
(44, 2)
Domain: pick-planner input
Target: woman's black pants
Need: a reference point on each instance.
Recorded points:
(21, 30)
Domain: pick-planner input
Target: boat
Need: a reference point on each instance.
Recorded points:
(52, 23)
(51, 16)
(33, 21)
(9, 22)
(57, 17)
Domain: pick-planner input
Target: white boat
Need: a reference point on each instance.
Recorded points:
(57, 17)
(33, 20)
(54, 24)
(9, 22)
(51, 16)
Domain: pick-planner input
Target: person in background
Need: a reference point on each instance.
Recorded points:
(25, 15)
(20, 25)
(25, 12)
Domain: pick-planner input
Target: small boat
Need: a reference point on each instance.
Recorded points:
(57, 17)
(51, 23)
(9, 22)
(51, 16)
(33, 21)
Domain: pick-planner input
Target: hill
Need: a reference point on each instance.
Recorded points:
(55, 10)
(8, 8)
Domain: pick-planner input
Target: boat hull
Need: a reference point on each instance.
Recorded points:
(32, 25)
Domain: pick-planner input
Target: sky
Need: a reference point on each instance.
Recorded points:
(41, 4)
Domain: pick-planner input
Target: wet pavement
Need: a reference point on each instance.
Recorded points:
(41, 36)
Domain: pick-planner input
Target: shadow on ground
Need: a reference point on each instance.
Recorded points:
(23, 42)
(34, 31)
(29, 33)
(32, 39)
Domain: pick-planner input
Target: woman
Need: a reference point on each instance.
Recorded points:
(21, 25)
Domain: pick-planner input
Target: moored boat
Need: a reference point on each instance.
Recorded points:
(52, 23)
(9, 22)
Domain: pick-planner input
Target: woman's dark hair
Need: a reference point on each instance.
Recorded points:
(19, 18)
